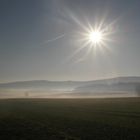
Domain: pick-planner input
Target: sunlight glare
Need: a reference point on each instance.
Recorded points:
(95, 37)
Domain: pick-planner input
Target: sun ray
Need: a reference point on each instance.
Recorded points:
(83, 45)
(93, 37)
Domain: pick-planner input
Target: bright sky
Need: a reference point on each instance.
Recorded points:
(41, 39)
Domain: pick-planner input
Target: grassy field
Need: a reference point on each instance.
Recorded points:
(70, 119)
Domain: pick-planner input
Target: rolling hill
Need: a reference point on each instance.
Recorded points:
(119, 86)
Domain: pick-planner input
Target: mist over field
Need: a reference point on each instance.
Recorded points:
(115, 87)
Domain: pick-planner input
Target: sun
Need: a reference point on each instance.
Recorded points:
(95, 37)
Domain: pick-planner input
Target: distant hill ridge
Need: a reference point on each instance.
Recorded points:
(124, 79)
(119, 86)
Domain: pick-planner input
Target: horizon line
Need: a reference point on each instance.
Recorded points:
(109, 78)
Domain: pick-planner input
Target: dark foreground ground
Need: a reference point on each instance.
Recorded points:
(70, 119)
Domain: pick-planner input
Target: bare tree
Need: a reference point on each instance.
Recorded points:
(26, 94)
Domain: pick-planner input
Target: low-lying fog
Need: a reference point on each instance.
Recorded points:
(115, 87)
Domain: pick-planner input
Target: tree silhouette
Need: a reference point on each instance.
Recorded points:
(26, 94)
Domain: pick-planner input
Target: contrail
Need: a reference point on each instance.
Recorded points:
(54, 39)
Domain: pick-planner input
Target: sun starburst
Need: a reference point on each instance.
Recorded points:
(92, 38)
(95, 37)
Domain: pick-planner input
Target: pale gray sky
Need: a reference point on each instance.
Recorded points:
(27, 25)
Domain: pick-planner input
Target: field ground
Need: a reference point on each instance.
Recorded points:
(70, 119)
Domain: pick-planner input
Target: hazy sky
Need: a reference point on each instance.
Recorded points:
(39, 37)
